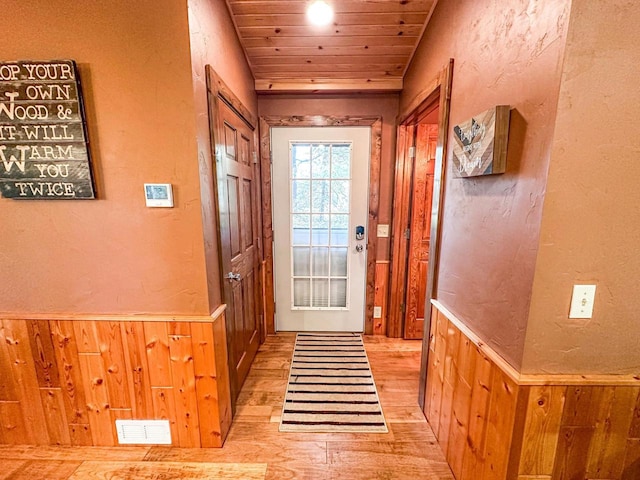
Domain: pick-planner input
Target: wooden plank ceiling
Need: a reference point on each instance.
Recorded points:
(367, 47)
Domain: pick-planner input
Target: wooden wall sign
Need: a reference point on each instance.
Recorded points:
(480, 146)
(43, 143)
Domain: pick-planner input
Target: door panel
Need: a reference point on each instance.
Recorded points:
(238, 181)
(420, 228)
(234, 227)
(401, 221)
(320, 194)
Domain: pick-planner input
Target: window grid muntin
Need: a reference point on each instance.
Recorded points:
(311, 177)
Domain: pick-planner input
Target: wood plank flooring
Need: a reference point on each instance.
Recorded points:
(255, 449)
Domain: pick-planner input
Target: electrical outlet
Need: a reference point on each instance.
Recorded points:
(377, 312)
(582, 301)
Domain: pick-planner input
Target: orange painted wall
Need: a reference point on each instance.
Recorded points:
(385, 106)
(112, 255)
(507, 52)
(214, 42)
(591, 218)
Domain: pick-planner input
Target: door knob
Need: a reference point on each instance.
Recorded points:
(233, 276)
(359, 248)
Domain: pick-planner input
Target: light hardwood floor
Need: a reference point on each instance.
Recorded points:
(255, 449)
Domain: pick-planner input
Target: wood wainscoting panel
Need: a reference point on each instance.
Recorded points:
(66, 381)
(580, 432)
(21, 373)
(465, 404)
(139, 378)
(473, 459)
(451, 339)
(112, 354)
(503, 419)
(164, 408)
(212, 382)
(492, 423)
(44, 355)
(613, 414)
(184, 390)
(470, 404)
(381, 295)
(75, 404)
(96, 393)
(54, 414)
(542, 425)
(435, 373)
(12, 427)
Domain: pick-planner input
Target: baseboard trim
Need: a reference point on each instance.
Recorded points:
(580, 380)
(116, 317)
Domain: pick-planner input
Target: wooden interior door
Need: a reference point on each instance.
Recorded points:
(399, 242)
(237, 176)
(420, 229)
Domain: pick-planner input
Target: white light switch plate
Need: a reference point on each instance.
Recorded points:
(383, 230)
(582, 301)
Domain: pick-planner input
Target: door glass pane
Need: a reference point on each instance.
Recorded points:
(338, 292)
(320, 207)
(302, 292)
(320, 297)
(338, 262)
(300, 196)
(339, 229)
(320, 230)
(341, 161)
(302, 221)
(320, 261)
(320, 193)
(301, 261)
(320, 158)
(301, 228)
(301, 160)
(340, 196)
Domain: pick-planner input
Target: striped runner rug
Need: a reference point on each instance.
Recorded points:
(331, 388)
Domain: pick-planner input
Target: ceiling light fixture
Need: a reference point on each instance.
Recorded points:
(320, 13)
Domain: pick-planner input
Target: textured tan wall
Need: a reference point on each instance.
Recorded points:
(591, 219)
(507, 52)
(112, 255)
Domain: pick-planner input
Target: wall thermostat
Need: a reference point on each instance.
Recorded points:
(158, 194)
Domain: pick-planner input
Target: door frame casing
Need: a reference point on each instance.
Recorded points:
(375, 123)
(439, 88)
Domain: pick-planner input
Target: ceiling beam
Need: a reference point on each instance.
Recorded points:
(331, 85)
